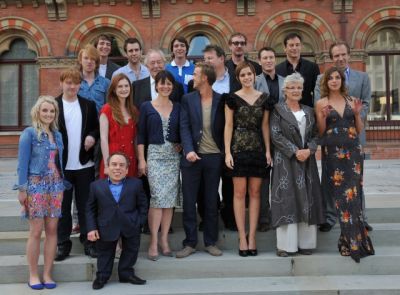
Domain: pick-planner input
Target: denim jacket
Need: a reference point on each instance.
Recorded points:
(33, 155)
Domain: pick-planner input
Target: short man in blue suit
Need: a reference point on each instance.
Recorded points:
(202, 127)
(116, 209)
(271, 83)
(359, 86)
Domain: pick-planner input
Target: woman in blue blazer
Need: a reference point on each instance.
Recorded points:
(159, 137)
(41, 186)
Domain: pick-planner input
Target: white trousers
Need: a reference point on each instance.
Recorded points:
(291, 237)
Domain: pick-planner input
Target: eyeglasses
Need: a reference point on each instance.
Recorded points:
(237, 43)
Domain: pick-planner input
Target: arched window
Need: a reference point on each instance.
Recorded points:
(19, 85)
(197, 45)
(383, 68)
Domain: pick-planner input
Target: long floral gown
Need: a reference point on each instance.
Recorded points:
(344, 166)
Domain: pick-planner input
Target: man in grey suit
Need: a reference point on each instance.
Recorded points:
(358, 85)
(271, 83)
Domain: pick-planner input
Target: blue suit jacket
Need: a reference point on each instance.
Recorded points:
(191, 123)
(113, 219)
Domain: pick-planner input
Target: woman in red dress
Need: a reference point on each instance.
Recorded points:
(118, 124)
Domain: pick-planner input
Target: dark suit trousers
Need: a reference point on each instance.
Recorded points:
(80, 180)
(106, 255)
(207, 169)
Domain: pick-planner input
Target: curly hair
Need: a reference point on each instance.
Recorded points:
(325, 78)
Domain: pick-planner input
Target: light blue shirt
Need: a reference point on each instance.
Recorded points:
(96, 92)
(143, 73)
(222, 85)
(116, 189)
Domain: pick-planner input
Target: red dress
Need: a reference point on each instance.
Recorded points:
(120, 138)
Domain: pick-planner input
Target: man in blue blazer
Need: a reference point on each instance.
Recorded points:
(116, 209)
(202, 127)
(359, 86)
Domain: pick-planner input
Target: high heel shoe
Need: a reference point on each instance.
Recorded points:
(252, 252)
(243, 253)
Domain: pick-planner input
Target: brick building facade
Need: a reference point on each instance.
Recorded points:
(53, 31)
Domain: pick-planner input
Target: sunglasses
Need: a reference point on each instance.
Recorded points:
(237, 43)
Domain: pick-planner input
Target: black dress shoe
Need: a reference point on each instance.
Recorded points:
(368, 227)
(325, 227)
(98, 284)
(133, 280)
(63, 251)
(252, 252)
(90, 250)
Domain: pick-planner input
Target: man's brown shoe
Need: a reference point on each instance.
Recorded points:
(185, 252)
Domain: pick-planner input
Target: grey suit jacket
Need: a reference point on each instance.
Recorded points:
(359, 87)
(262, 85)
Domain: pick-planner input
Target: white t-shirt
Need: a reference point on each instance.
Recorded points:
(103, 70)
(73, 123)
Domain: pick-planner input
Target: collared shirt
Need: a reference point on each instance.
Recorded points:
(96, 92)
(347, 75)
(153, 88)
(143, 73)
(273, 87)
(309, 70)
(181, 74)
(116, 188)
(222, 85)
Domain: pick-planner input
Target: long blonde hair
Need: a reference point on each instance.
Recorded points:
(36, 123)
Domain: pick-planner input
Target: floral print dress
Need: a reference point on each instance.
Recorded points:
(344, 167)
(45, 192)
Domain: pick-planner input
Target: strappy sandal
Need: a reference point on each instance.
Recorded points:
(344, 251)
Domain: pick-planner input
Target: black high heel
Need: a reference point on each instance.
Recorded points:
(251, 252)
(243, 253)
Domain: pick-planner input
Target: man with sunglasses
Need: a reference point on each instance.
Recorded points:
(237, 45)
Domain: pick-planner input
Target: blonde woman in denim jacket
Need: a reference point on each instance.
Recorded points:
(41, 186)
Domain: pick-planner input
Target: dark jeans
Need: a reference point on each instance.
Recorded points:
(106, 255)
(207, 168)
(80, 180)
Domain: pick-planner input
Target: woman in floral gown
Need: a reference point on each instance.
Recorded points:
(339, 123)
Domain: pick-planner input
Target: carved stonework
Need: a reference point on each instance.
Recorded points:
(51, 9)
(337, 6)
(359, 55)
(56, 62)
(62, 9)
(251, 7)
(240, 7)
(3, 4)
(322, 58)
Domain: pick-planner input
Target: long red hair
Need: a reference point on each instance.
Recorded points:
(113, 100)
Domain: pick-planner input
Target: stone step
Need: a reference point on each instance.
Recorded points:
(200, 265)
(383, 209)
(384, 234)
(283, 285)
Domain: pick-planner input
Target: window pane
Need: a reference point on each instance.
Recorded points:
(197, 45)
(9, 95)
(19, 50)
(394, 70)
(376, 72)
(30, 90)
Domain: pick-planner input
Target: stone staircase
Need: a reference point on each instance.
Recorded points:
(325, 272)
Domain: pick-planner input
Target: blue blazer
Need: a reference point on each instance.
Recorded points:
(113, 219)
(192, 123)
(150, 125)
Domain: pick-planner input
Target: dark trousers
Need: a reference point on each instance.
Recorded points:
(227, 213)
(106, 255)
(265, 208)
(80, 180)
(207, 168)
